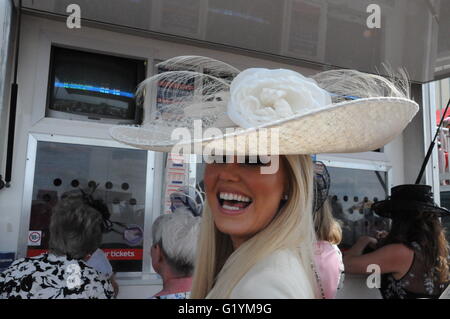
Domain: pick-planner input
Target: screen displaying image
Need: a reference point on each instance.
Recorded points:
(94, 86)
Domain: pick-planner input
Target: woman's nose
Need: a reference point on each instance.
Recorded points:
(229, 172)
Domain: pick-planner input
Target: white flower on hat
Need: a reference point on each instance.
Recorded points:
(259, 96)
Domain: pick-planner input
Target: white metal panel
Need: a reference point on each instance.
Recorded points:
(429, 124)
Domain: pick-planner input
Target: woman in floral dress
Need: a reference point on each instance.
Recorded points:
(62, 273)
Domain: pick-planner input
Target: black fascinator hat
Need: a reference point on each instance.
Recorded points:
(321, 185)
(409, 199)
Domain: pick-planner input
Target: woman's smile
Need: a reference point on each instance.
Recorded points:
(232, 202)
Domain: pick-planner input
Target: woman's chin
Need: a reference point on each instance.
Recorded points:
(232, 223)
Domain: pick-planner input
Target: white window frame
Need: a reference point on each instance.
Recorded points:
(49, 38)
(332, 160)
(153, 198)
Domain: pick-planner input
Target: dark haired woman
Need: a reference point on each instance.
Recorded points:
(413, 258)
(62, 273)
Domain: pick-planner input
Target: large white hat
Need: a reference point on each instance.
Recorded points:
(203, 103)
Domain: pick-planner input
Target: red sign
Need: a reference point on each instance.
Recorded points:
(439, 115)
(112, 254)
(35, 252)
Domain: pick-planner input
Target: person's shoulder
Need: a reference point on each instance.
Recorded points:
(324, 247)
(19, 265)
(279, 275)
(178, 295)
(20, 261)
(93, 278)
(281, 259)
(328, 254)
(397, 249)
(20, 271)
(100, 263)
(89, 271)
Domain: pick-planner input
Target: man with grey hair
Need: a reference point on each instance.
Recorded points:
(62, 273)
(173, 253)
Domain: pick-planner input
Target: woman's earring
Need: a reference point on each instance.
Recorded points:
(285, 197)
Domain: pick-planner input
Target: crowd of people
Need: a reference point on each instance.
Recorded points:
(260, 235)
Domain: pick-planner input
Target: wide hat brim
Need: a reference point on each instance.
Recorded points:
(347, 127)
(389, 208)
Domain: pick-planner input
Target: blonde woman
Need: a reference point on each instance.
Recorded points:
(328, 257)
(257, 234)
(251, 230)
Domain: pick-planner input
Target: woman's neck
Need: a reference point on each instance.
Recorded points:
(175, 285)
(238, 241)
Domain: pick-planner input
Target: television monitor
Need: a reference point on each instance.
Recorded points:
(94, 87)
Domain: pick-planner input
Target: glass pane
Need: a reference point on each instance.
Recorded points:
(352, 192)
(64, 167)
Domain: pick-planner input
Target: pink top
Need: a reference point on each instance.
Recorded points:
(328, 262)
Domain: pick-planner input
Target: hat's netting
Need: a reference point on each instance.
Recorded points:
(189, 88)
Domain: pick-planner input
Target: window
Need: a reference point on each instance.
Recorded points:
(68, 167)
(352, 193)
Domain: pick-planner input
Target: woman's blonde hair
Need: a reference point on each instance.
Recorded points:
(326, 226)
(219, 268)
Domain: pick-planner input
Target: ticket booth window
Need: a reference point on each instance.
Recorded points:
(352, 193)
(62, 168)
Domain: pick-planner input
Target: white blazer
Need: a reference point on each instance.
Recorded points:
(278, 276)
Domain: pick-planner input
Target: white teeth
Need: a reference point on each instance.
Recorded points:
(236, 197)
(231, 207)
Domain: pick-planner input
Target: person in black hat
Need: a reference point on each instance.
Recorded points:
(413, 257)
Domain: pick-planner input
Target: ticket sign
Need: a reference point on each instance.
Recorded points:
(124, 254)
(111, 254)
